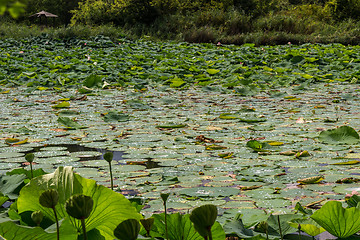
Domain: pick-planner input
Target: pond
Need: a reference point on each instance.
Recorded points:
(192, 143)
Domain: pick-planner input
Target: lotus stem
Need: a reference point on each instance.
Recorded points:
(210, 234)
(31, 170)
(83, 228)
(299, 230)
(57, 224)
(111, 177)
(166, 227)
(280, 231)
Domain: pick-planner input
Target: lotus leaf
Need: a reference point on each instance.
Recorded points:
(340, 222)
(341, 135)
(103, 218)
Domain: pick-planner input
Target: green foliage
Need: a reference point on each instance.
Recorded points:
(337, 220)
(103, 218)
(341, 135)
(14, 7)
(343, 9)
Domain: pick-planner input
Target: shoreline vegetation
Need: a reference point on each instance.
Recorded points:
(268, 22)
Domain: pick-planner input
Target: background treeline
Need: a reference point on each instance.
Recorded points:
(225, 21)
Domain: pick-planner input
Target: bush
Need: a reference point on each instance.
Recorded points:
(201, 35)
(344, 9)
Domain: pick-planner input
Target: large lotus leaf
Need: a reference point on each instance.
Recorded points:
(11, 231)
(114, 116)
(277, 222)
(236, 227)
(69, 123)
(10, 185)
(337, 220)
(110, 208)
(341, 135)
(181, 228)
(92, 81)
(308, 226)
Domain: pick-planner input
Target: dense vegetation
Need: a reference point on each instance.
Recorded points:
(227, 21)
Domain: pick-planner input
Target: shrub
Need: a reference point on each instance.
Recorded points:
(344, 9)
(200, 35)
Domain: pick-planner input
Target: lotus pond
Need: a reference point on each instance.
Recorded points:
(179, 118)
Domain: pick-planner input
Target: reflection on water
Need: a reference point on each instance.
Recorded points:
(78, 148)
(118, 155)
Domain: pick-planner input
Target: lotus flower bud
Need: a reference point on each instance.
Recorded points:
(37, 217)
(49, 198)
(79, 206)
(29, 157)
(108, 156)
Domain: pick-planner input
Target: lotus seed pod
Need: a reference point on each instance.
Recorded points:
(79, 206)
(37, 217)
(203, 218)
(29, 157)
(108, 156)
(49, 198)
(164, 196)
(147, 223)
(127, 230)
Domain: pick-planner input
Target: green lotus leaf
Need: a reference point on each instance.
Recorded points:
(114, 116)
(69, 123)
(180, 227)
(11, 185)
(340, 222)
(308, 226)
(63, 104)
(92, 81)
(10, 230)
(104, 217)
(341, 135)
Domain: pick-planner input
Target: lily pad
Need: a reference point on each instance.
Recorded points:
(341, 135)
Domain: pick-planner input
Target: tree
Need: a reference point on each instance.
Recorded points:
(14, 8)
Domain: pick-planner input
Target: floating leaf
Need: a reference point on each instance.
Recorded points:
(341, 135)
(114, 116)
(69, 123)
(351, 162)
(172, 126)
(310, 180)
(212, 71)
(258, 146)
(63, 104)
(215, 147)
(302, 154)
(229, 116)
(226, 155)
(15, 141)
